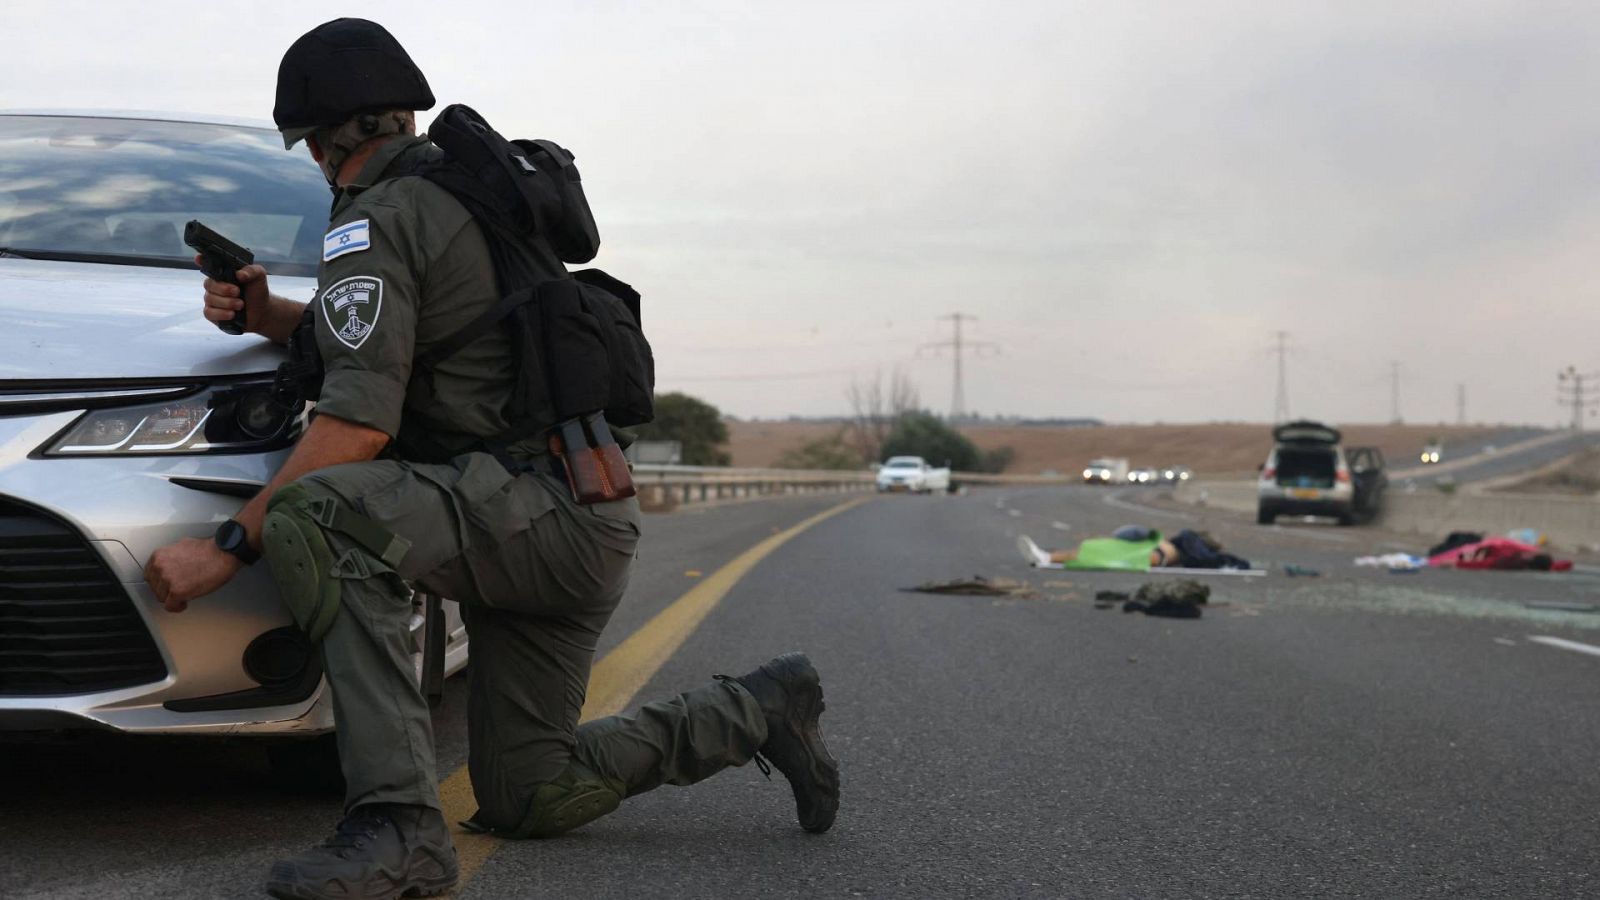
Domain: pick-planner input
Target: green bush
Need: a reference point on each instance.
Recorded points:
(694, 423)
(823, 453)
(924, 434)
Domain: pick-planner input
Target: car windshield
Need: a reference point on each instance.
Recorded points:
(120, 191)
(904, 463)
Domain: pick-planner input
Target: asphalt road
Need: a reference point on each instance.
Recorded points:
(1358, 734)
(1495, 456)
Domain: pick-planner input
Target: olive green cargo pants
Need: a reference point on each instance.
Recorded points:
(537, 577)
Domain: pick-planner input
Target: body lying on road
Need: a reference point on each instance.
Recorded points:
(1134, 548)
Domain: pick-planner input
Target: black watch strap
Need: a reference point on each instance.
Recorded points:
(231, 537)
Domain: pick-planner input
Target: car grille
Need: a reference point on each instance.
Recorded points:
(66, 625)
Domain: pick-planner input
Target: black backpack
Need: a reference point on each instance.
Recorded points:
(578, 337)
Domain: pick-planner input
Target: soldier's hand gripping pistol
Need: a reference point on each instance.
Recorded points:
(221, 260)
(596, 468)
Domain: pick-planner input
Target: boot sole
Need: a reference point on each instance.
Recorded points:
(820, 770)
(417, 887)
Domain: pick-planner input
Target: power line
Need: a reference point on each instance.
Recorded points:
(1280, 406)
(1461, 404)
(1571, 391)
(958, 346)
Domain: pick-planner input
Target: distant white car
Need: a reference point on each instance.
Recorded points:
(1106, 470)
(912, 474)
(1176, 474)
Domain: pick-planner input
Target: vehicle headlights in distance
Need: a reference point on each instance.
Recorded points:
(224, 418)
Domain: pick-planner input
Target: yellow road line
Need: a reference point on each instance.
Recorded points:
(621, 673)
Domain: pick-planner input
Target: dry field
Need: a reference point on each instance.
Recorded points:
(1221, 449)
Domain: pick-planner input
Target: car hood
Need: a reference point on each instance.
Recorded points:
(73, 320)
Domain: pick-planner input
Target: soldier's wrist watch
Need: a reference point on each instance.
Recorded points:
(232, 538)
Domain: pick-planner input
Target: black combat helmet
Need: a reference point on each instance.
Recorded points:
(342, 68)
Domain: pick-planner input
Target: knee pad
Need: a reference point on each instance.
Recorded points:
(303, 562)
(576, 798)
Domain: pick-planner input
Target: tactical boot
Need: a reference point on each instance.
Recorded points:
(378, 852)
(789, 693)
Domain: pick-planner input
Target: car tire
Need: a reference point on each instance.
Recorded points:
(307, 765)
(1347, 519)
(1265, 515)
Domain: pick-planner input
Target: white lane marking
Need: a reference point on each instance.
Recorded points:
(1014, 513)
(1060, 526)
(1505, 641)
(1565, 644)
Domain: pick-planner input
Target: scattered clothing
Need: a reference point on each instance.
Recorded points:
(1528, 536)
(1135, 533)
(976, 586)
(1198, 551)
(1499, 553)
(1169, 599)
(1109, 599)
(1394, 562)
(1454, 540)
(1294, 571)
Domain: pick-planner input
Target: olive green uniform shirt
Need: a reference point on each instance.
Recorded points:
(405, 266)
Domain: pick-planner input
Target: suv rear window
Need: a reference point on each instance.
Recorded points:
(1306, 466)
(120, 191)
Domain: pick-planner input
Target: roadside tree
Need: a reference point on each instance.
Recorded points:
(694, 423)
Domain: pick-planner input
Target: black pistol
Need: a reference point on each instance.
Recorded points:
(221, 259)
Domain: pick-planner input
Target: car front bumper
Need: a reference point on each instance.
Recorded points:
(124, 508)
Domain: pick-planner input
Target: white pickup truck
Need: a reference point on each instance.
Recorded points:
(912, 473)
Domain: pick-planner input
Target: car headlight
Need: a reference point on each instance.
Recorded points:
(223, 418)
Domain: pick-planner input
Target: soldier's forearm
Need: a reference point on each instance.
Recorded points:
(282, 316)
(329, 441)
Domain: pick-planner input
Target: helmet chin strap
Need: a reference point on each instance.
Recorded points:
(341, 142)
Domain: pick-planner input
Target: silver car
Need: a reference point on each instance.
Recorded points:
(127, 422)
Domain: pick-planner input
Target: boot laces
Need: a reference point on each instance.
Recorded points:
(357, 828)
(763, 765)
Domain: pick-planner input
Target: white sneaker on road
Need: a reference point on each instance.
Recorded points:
(1031, 552)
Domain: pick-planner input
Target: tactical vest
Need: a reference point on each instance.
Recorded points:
(577, 338)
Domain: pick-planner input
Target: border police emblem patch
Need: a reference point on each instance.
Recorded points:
(350, 307)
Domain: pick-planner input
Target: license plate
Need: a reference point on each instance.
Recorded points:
(1305, 493)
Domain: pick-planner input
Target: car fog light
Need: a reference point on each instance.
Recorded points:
(278, 656)
(259, 415)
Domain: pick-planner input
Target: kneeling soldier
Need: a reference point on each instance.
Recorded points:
(537, 574)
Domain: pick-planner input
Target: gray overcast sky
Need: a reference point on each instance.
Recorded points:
(1131, 197)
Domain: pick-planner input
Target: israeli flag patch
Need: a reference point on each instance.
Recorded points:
(352, 238)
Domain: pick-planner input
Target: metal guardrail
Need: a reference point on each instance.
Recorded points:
(662, 486)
